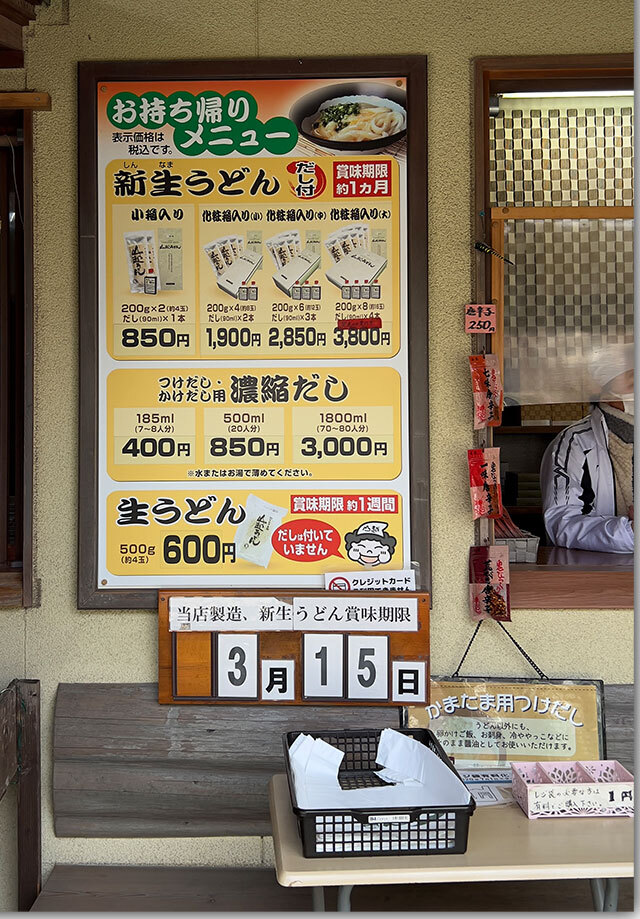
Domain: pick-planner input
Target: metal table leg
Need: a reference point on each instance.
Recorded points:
(597, 894)
(344, 898)
(611, 889)
(317, 899)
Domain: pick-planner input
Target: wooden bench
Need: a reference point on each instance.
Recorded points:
(20, 763)
(126, 766)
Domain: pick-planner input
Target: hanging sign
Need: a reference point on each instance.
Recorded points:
(484, 721)
(260, 329)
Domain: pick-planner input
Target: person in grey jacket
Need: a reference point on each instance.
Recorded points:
(587, 476)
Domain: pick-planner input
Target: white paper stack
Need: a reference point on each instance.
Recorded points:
(420, 777)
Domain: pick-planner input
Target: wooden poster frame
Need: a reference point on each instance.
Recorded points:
(90, 594)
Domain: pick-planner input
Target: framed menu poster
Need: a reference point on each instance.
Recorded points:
(253, 303)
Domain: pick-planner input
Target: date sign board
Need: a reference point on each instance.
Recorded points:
(294, 647)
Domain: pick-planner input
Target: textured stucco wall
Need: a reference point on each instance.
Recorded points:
(56, 642)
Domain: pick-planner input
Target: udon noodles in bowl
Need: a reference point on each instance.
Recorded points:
(356, 120)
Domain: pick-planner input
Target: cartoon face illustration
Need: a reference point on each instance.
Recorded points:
(370, 544)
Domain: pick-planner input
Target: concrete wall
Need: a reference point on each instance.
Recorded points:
(56, 642)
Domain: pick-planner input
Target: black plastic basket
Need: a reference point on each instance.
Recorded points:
(373, 831)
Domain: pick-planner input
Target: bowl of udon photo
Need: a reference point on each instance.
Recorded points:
(352, 116)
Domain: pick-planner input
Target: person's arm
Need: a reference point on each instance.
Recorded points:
(565, 497)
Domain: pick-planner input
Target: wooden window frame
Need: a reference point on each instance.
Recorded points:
(535, 586)
(17, 587)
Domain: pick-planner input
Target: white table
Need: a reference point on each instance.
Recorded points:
(504, 845)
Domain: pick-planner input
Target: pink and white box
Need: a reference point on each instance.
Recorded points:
(601, 788)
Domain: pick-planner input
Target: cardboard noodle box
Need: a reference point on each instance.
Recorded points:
(361, 267)
(297, 271)
(241, 271)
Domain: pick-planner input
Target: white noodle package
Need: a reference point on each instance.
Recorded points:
(361, 267)
(297, 271)
(284, 247)
(225, 247)
(141, 260)
(253, 536)
(214, 255)
(345, 240)
(333, 247)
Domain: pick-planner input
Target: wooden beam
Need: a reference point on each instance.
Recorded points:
(71, 888)
(125, 766)
(94, 889)
(29, 810)
(588, 71)
(6, 394)
(597, 212)
(8, 745)
(10, 34)
(545, 587)
(14, 15)
(37, 102)
(20, 11)
(10, 589)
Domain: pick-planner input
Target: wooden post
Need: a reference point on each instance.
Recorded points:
(8, 743)
(497, 291)
(29, 814)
